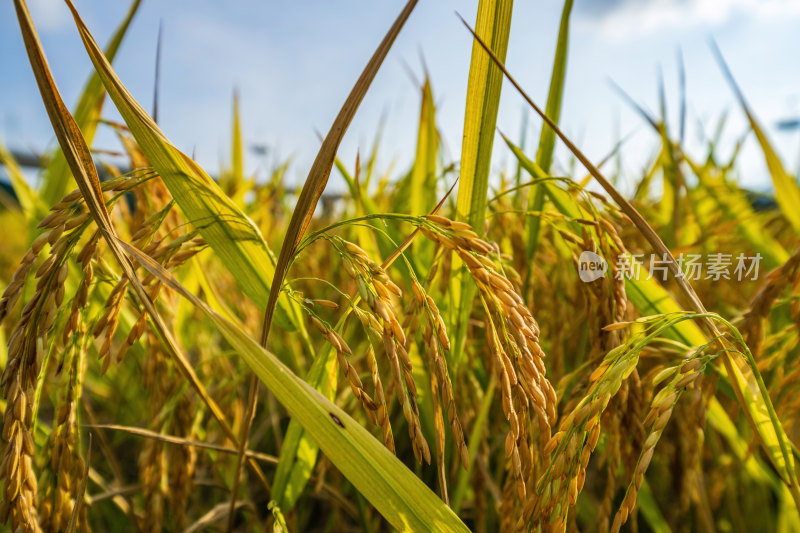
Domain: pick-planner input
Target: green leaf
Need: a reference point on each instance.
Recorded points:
(650, 298)
(480, 119)
(547, 137)
(29, 201)
(718, 419)
(416, 190)
(299, 452)
(423, 175)
(787, 191)
(231, 234)
(320, 171)
(57, 180)
(563, 201)
(237, 151)
(76, 152)
(233, 182)
(651, 511)
(734, 205)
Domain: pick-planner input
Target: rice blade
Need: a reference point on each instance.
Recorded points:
(484, 86)
(787, 191)
(547, 138)
(56, 179)
(231, 234)
(29, 200)
(423, 175)
(323, 163)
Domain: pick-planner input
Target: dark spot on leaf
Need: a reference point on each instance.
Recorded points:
(336, 419)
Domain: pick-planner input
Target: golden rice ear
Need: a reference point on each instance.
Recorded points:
(292, 475)
(83, 169)
(399, 495)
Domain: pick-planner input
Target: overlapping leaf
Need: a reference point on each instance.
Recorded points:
(56, 180)
(787, 190)
(480, 119)
(231, 234)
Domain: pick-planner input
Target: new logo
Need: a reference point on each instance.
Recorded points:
(591, 266)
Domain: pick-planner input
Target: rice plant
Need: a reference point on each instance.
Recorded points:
(444, 349)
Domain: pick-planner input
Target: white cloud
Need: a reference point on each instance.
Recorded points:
(635, 17)
(49, 15)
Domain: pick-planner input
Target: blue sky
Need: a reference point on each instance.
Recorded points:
(295, 62)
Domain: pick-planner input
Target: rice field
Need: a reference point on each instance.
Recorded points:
(443, 348)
